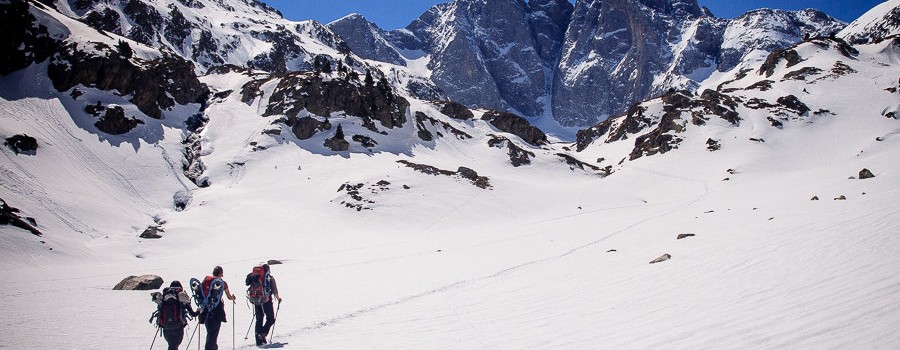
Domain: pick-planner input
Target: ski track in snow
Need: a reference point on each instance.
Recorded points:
(463, 283)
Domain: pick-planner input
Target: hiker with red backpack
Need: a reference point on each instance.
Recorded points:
(172, 313)
(208, 295)
(261, 288)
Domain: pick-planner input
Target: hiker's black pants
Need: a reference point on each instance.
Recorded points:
(173, 337)
(268, 311)
(212, 334)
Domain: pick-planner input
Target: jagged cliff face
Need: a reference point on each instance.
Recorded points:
(484, 52)
(549, 20)
(611, 54)
(366, 39)
(577, 64)
(619, 52)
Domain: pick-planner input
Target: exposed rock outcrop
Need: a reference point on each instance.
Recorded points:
(463, 172)
(22, 40)
(662, 258)
(152, 232)
(337, 142)
(154, 86)
(10, 216)
(516, 125)
(518, 156)
(865, 174)
(311, 92)
(456, 110)
(144, 282)
(114, 121)
(22, 144)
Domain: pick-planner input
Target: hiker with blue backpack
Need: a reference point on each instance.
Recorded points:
(208, 295)
(260, 291)
(172, 313)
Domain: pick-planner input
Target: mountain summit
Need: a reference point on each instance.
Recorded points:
(581, 64)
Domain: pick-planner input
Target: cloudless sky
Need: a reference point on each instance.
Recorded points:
(394, 14)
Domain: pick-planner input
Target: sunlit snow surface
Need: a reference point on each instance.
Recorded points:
(547, 258)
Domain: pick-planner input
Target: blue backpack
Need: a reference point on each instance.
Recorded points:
(208, 294)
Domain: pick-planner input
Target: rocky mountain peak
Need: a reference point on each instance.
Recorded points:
(877, 24)
(679, 8)
(365, 39)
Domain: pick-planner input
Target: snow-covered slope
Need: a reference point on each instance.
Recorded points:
(880, 22)
(446, 228)
(246, 33)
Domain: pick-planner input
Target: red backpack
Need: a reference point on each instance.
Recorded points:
(259, 290)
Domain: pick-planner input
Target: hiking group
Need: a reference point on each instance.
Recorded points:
(174, 309)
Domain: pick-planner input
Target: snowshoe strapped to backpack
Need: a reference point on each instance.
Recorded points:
(170, 313)
(259, 289)
(208, 294)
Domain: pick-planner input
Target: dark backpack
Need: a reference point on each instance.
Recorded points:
(170, 313)
(259, 289)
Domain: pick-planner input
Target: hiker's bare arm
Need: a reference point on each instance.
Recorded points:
(229, 295)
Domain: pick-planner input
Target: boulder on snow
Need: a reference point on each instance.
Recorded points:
(662, 258)
(145, 282)
(685, 235)
(22, 144)
(865, 174)
(841, 198)
(274, 262)
(456, 110)
(337, 143)
(10, 216)
(114, 122)
(152, 232)
(814, 198)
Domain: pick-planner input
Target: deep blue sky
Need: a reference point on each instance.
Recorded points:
(393, 14)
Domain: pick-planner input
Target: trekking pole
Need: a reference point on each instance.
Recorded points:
(251, 324)
(233, 324)
(154, 338)
(272, 334)
(192, 335)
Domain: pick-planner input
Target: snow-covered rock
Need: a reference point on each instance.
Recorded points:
(880, 22)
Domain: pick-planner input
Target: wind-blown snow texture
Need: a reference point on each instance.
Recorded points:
(380, 254)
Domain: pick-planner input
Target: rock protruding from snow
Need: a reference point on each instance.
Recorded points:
(462, 172)
(323, 95)
(10, 216)
(877, 24)
(662, 258)
(516, 125)
(22, 144)
(152, 232)
(337, 142)
(865, 174)
(518, 156)
(213, 33)
(144, 282)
